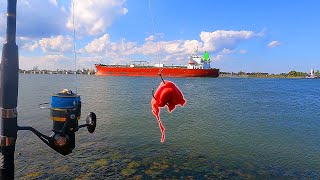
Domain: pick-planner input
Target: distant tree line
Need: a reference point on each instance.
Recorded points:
(292, 73)
(35, 70)
(297, 74)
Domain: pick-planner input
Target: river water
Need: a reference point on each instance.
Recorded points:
(230, 128)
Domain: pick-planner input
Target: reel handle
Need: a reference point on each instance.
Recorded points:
(91, 122)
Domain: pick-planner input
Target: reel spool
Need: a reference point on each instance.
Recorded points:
(65, 105)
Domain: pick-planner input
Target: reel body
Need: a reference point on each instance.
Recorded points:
(65, 112)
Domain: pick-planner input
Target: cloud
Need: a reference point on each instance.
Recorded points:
(88, 62)
(40, 18)
(226, 51)
(211, 41)
(150, 38)
(54, 62)
(2, 40)
(189, 46)
(222, 54)
(50, 62)
(273, 44)
(220, 42)
(3, 11)
(57, 44)
(217, 57)
(103, 46)
(153, 48)
(54, 2)
(242, 51)
(36, 18)
(93, 17)
(217, 40)
(30, 47)
(98, 45)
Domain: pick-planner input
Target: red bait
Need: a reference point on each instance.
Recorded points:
(167, 94)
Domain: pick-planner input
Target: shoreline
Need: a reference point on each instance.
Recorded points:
(266, 76)
(220, 76)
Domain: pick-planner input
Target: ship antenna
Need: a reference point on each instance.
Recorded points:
(156, 41)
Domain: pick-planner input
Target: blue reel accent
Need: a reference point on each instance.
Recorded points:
(64, 102)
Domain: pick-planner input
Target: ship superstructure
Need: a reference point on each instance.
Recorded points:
(199, 62)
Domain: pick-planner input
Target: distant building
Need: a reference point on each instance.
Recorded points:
(312, 72)
(35, 68)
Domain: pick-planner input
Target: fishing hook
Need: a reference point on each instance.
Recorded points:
(161, 76)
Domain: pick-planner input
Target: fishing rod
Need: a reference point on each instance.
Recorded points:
(9, 94)
(65, 107)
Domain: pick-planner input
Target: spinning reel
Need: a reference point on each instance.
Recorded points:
(65, 112)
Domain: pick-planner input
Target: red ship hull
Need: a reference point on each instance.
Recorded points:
(107, 70)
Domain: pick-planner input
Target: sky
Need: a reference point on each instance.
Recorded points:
(244, 35)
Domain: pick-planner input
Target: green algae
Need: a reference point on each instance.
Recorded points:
(101, 162)
(157, 169)
(63, 169)
(31, 175)
(85, 176)
(137, 177)
(166, 164)
(116, 155)
(127, 171)
(134, 164)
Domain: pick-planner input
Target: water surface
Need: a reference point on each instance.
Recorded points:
(229, 128)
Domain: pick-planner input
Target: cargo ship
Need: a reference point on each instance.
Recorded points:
(198, 66)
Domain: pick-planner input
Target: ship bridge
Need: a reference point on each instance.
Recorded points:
(199, 62)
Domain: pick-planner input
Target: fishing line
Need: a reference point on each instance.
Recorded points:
(57, 101)
(74, 49)
(154, 33)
